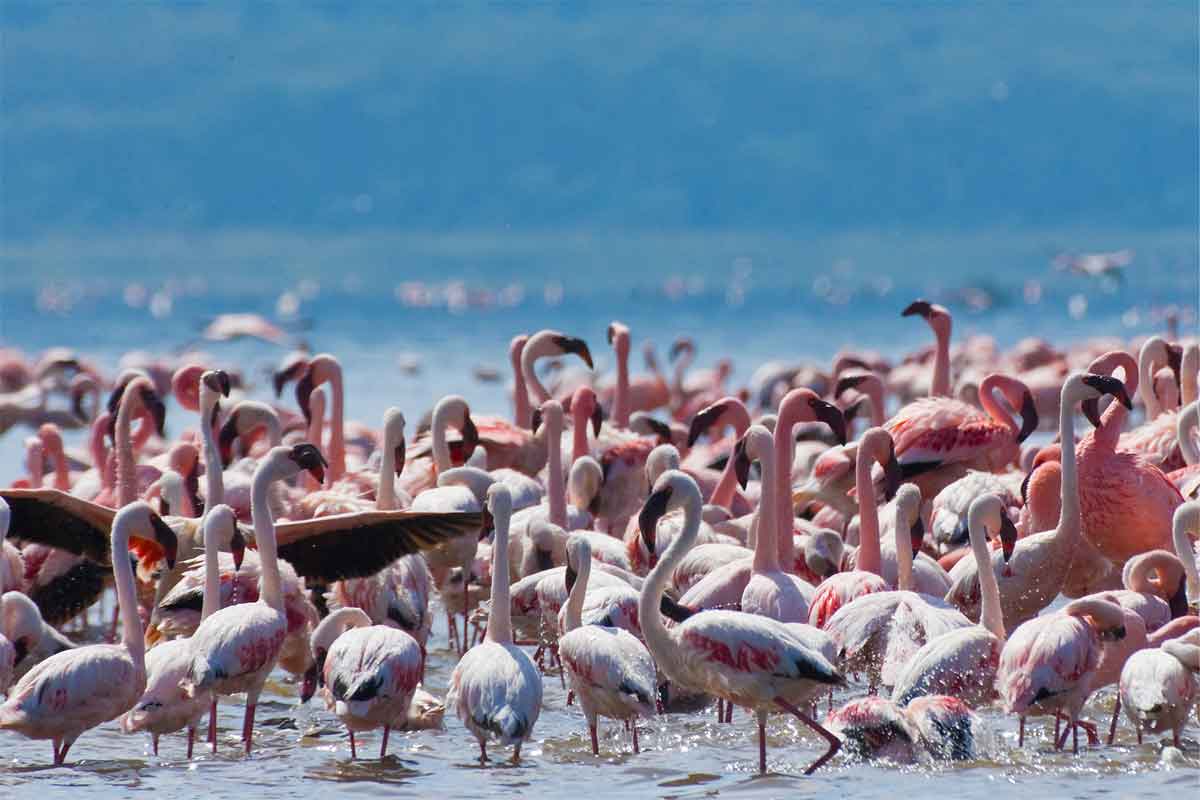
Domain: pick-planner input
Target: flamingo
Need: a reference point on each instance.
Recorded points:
(743, 659)
(167, 704)
(33, 640)
(235, 649)
(1186, 524)
(843, 587)
(1035, 573)
(495, 687)
(76, 690)
(726, 411)
(1047, 664)
(1159, 686)
(940, 322)
(1187, 478)
(12, 565)
(641, 393)
(962, 662)
(1156, 440)
(608, 669)
(370, 672)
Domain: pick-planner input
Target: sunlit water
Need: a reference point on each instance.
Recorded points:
(750, 309)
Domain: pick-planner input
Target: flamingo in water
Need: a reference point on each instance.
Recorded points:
(495, 687)
(78, 689)
(743, 659)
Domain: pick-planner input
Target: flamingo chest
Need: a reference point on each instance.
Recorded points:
(261, 650)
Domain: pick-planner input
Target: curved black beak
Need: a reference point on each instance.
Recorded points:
(399, 453)
(166, 539)
(1025, 487)
(611, 333)
(536, 421)
(917, 535)
(237, 547)
(893, 476)
(741, 463)
(704, 419)
(672, 610)
(114, 398)
(308, 457)
(848, 382)
(571, 575)
(832, 416)
(677, 347)
(597, 419)
(1104, 384)
(652, 511)
(218, 381)
(290, 372)
(572, 344)
(917, 307)
(1008, 537)
(1029, 417)
(309, 685)
(661, 429)
(304, 390)
(470, 435)
(225, 437)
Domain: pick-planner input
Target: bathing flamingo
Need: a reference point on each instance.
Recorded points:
(78, 689)
(743, 659)
(496, 688)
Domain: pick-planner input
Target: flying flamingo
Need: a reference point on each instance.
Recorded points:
(235, 649)
(167, 704)
(608, 669)
(1037, 569)
(495, 687)
(370, 672)
(743, 659)
(962, 663)
(78, 689)
(1047, 664)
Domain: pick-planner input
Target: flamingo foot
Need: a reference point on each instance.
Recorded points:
(570, 698)
(516, 758)
(835, 743)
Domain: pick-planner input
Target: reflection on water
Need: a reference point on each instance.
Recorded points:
(684, 756)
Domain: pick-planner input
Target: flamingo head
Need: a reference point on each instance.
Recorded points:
(217, 381)
(150, 400)
(306, 456)
(572, 344)
(681, 345)
(1178, 601)
(705, 418)
(314, 675)
(741, 462)
(652, 511)
(938, 317)
(1102, 385)
(293, 366)
(831, 415)
(618, 337)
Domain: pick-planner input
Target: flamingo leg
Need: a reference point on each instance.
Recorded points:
(1074, 739)
(383, 747)
(1112, 727)
(595, 743)
(729, 713)
(835, 743)
(1057, 729)
(482, 752)
(1093, 736)
(248, 726)
(212, 724)
(1139, 733)
(154, 743)
(191, 740)
(762, 743)
(353, 747)
(1021, 734)
(57, 745)
(635, 737)
(62, 753)
(516, 759)
(570, 697)
(720, 709)
(466, 605)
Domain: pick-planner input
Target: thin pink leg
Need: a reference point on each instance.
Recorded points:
(762, 744)
(635, 737)
(248, 727)
(383, 747)
(57, 746)
(482, 752)
(353, 747)
(191, 740)
(1057, 730)
(720, 710)
(835, 743)
(729, 713)
(1093, 735)
(595, 742)
(1112, 727)
(62, 753)
(570, 698)
(1075, 740)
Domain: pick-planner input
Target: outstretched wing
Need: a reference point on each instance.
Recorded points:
(57, 519)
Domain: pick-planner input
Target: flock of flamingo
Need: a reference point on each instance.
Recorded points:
(615, 531)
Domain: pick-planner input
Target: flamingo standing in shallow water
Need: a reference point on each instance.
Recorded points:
(78, 689)
(743, 659)
(496, 688)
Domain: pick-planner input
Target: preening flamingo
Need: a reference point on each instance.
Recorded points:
(744, 659)
(32, 639)
(76, 690)
(496, 688)
(608, 669)
(1159, 686)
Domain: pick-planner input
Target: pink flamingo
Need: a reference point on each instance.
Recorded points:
(521, 409)
(743, 659)
(1156, 439)
(939, 320)
(726, 411)
(370, 672)
(837, 590)
(1034, 575)
(608, 669)
(874, 727)
(78, 689)
(166, 704)
(235, 649)
(630, 394)
(1159, 686)
(1048, 663)
(963, 662)
(1187, 478)
(12, 565)
(495, 687)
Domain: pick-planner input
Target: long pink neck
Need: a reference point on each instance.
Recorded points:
(766, 548)
(337, 434)
(62, 474)
(126, 461)
(987, 398)
(557, 490)
(726, 487)
(579, 435)
(790, 414)
(940, 387)
(621, 400)
(521, 410)
(1112, 421)
(868, 515)
(316, 432)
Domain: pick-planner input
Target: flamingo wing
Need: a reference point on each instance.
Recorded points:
(57, 519)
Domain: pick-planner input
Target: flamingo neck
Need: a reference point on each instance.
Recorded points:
(873, 389)
(904, 556)
(499, 629)
(557, 488)
(1189, 378)
(385, 489)
(1185, 430)
(212, 571)
(992, 615)
(726, 488)
(579, 437)
(1145, 386)
(987, 398)
(658, 640)
(62, 473)
(534, 386)
(316, 432)
(766, 550)
(131, 626)
(940, 387)
(214, 483)
(1187, 555)
(264, 535)
(522, 413)
(574, 611)
(99, 451)
(621, 399)
(869, 559)
(784, 453)
(437, 435)
(1069, 518)
(681, 367)
(126, 461)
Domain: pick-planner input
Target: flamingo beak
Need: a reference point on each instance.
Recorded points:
(571, 344)
(741, 463)
(661, 429)
(1025, 487)
(1091, 410)
(304, 390)
(917, 535)
(1179, 601)
(166, 539)
(114, 399)
(612, 333)
(308, 457)
(289, 372)
(893, 476)
(536, 421)
(705, 419)
(597, 419)
(229, 432)
(918, 307)
(831, 415)
(309, 687)
(571, 577)
(237, 547)
(848, 382)
(1008, 537)
(1029, 417)
(399, 453)
(652, 511)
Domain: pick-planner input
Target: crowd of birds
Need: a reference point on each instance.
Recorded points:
(661, 542)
